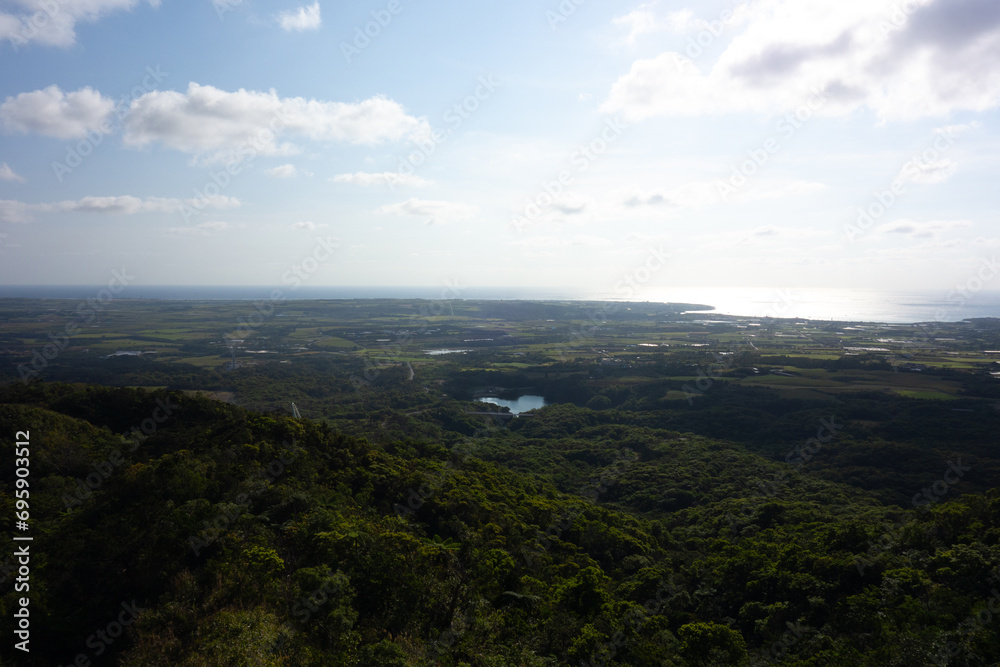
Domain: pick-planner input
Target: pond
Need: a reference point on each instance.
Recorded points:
(522, 404)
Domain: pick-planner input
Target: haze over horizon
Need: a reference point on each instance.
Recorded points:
(761, 143)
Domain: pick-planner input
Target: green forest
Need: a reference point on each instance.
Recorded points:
(648, 515)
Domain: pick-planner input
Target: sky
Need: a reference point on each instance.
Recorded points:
(616, 147)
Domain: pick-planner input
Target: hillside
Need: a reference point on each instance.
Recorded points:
(232, 537)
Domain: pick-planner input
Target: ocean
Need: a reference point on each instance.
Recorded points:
(848, 305)
(854, 305)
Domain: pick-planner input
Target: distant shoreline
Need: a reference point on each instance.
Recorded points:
(848, 305)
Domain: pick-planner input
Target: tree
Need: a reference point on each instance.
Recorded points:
(709, 644)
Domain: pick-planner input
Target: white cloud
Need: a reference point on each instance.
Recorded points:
(15, 211)
(304, 18)
(930, 168)
(780, 190)
(648, 18)
(570, 207)
(783, 234)
(688, 195)
(863, 54)
(286, 171)
(765, 236)
(645, 19)
(926, 253)
(766, 230)
(681, 21)
(53, 22)
(927, 172)
(538, 242)
(215, 201)
(572, 204)
(921, 230)
(636, 203)
(385, 178)
(53, 113)
(640, 20)
(309, 226)
(8, 174)
(591, 241)
(434, 211)
(958, 130)
(130, 205)
(224, 126)
(204, 229)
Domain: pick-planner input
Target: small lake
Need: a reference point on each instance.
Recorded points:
(437, 353)
(522, 404)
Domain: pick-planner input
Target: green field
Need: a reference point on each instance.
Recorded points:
(806, 360)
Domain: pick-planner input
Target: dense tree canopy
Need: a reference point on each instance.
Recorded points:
(597, 537)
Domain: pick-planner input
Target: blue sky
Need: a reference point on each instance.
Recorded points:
(762, 143)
